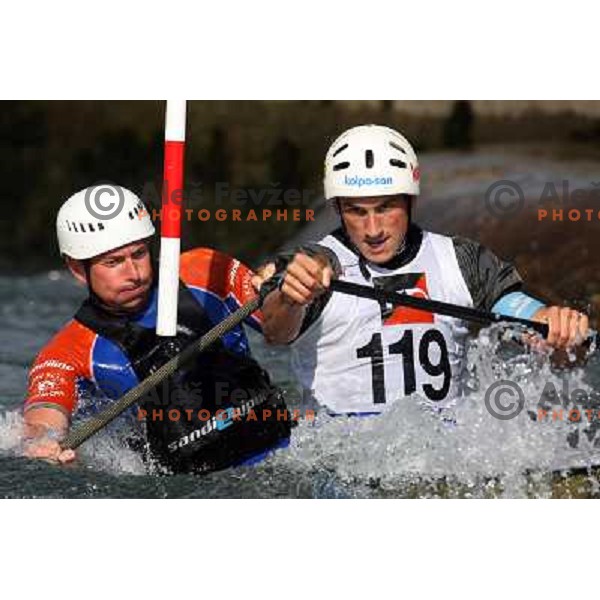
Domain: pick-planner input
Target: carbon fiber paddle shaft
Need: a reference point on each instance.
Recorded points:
(435, 306)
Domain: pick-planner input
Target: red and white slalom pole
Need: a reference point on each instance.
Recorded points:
(172, 208)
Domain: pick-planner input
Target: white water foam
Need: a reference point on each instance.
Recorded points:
(468, 448)
(469, 452)
(105, 452)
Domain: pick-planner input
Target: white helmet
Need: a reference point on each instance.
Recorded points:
(100, 218)
(371, 160)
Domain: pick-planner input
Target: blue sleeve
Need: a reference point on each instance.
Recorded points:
(517, 304)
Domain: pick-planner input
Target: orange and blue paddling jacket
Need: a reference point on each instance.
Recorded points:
(218, 410)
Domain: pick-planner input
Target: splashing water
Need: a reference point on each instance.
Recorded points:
(412, 450)
(11, 432)
(105, 452)
(407, 451)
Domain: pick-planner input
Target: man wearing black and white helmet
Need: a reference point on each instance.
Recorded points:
(356, 355)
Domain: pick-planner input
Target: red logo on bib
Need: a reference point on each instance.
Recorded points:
(403, 315)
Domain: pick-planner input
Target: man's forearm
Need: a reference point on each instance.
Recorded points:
(44, 427)
(44, 422)
(306, 279)
(282, 318)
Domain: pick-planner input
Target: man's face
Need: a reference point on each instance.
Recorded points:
(376, 226)
(122, 278)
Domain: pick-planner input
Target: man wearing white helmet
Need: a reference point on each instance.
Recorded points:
(104, 234)
(355, 355)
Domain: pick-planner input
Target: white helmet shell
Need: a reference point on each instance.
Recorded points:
(371, 160)
(101, 218)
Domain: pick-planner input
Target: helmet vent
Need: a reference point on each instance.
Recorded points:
(91, 227)
(69, 226)
(75, 227)
(82, 227)
(341, 166)
(130, 213)
(340, 149)
(397, 163)
(100, 226)
(399, 148)
(369, 159)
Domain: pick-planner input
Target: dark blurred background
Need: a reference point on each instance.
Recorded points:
(49, 150)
